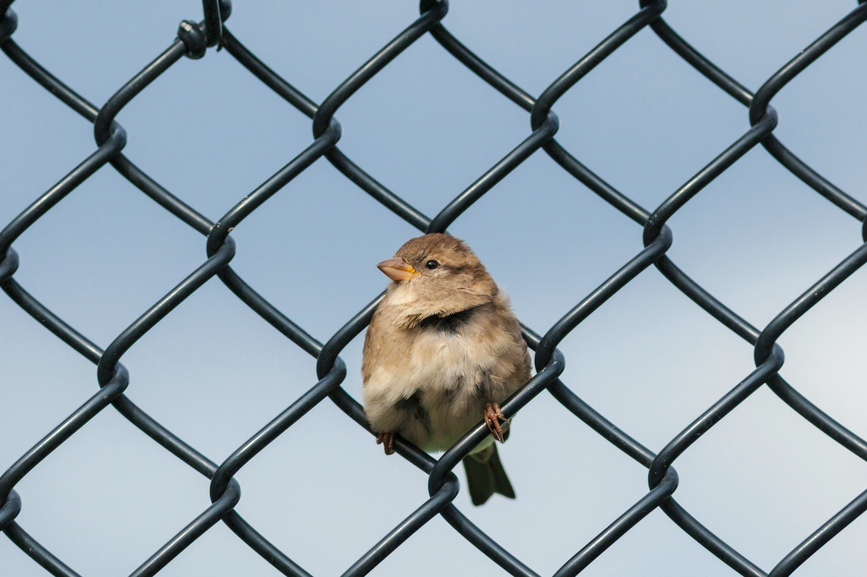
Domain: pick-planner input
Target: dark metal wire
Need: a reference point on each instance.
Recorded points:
(193, 41)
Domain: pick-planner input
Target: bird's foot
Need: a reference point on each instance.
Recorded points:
(493, 417)
(387, 441)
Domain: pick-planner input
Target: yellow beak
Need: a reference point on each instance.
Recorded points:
(397, 269)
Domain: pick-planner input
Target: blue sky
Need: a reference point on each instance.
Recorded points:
(649, 359)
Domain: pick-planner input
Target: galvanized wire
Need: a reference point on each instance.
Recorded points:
(193, 41)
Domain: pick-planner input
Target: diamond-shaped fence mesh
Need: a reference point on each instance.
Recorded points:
(197, 39)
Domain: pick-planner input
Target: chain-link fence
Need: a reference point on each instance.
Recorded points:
(198, 39)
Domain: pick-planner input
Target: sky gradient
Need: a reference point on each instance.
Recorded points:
(649, 359)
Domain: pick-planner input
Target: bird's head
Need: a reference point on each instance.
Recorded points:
(437, 275)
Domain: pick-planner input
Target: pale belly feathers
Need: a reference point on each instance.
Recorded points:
(437, 390)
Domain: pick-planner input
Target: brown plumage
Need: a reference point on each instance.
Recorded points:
(442, 351)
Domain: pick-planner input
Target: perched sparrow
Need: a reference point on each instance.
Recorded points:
(442, 351)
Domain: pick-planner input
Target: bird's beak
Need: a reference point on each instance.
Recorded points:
(396, 269)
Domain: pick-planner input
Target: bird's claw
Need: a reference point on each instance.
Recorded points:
(493, 417)
(387, 441)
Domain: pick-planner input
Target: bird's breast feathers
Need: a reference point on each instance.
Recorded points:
(449, 367)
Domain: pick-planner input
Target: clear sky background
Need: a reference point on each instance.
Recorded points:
(649, 359)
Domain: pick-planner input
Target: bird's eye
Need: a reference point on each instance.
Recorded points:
(431, 264)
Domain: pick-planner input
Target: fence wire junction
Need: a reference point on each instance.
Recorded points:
(193, 41)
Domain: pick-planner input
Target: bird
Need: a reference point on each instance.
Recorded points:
(442, 351)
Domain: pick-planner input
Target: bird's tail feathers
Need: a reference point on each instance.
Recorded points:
(486, 476)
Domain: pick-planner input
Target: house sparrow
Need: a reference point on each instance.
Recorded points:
(442, 351)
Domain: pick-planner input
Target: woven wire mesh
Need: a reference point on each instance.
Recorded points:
(201, 38)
